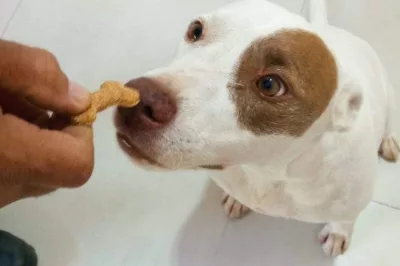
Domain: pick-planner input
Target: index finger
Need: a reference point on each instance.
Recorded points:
(44, 157)
(35, 74)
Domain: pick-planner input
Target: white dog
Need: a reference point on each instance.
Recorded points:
(289, 115)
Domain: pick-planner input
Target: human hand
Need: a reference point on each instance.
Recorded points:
(35, 158)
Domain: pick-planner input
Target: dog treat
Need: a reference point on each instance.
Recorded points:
(111, 93)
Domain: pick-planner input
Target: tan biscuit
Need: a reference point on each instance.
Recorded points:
(111, 93)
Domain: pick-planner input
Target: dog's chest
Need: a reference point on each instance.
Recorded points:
(306, 201)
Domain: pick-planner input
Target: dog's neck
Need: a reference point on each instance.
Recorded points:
(291, 155)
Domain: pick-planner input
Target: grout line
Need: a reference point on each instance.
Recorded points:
(304, 9)
(386, 205)
(11, 18)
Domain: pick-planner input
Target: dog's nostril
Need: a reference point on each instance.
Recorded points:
(148, 111)
(124, 113)
(156, 108)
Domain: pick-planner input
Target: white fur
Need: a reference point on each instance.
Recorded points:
(324, 176)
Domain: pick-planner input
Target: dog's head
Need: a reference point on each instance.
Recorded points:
(250, 80)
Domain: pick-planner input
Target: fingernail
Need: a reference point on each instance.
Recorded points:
(78, 93)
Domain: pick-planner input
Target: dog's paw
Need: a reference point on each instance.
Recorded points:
(389, 149)
(233, 208)
(334, 240)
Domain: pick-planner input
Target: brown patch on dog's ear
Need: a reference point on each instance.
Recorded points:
(306, 67)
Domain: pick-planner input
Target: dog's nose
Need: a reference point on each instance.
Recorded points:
(156, 108)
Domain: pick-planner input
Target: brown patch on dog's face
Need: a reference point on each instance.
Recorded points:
(301, 76)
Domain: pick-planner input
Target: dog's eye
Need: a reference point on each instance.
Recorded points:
(195, 31)
(271, 86)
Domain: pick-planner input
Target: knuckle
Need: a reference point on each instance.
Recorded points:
(44, 61)
(47, 67)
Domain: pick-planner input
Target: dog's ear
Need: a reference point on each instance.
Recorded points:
(346, 106)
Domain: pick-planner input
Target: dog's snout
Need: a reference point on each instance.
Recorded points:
(156, 108)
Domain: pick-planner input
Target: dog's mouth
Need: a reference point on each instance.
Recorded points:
(140, 156)
(135, 152)
(213, 167)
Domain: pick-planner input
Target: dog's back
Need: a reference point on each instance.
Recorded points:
(361, 68)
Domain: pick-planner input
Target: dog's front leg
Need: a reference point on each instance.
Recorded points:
(335, 237)
(232, 207)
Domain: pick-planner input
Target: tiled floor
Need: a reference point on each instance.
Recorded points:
(125, 216)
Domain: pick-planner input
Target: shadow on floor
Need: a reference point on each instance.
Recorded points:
(209, 238)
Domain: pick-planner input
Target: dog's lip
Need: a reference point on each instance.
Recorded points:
(132, 150)
(213, 167)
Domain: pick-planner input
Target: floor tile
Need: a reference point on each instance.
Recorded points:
(375, 239)
(147, 224)
(387, 184)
